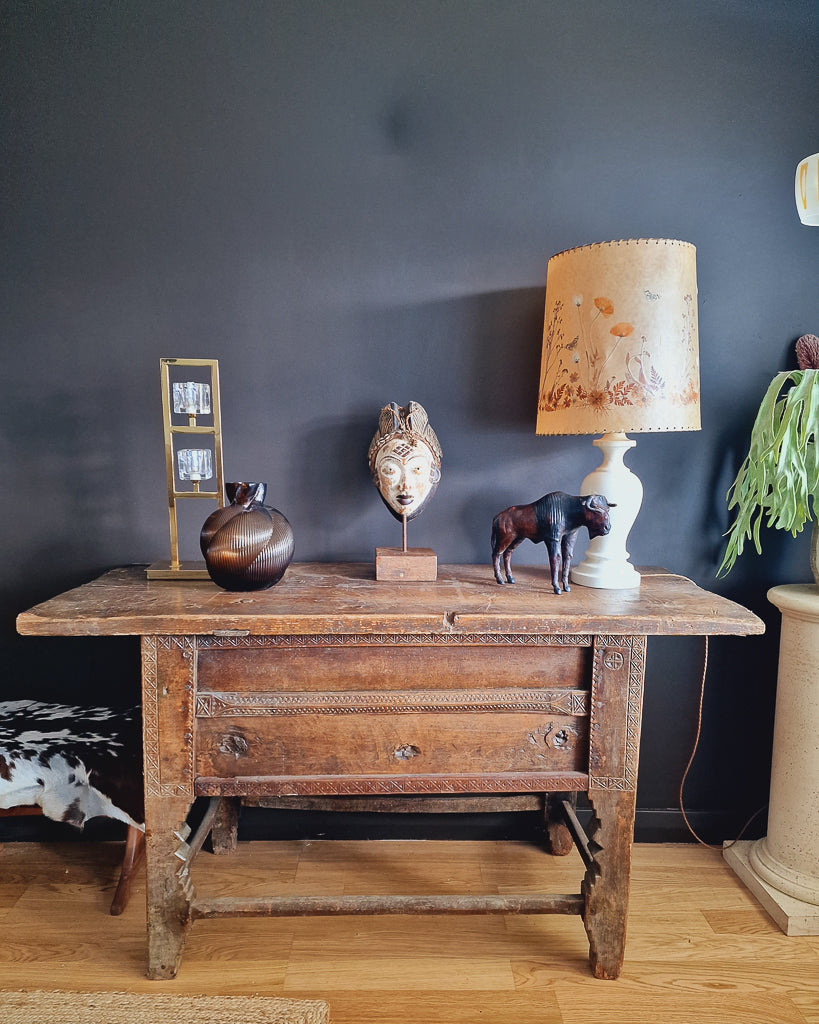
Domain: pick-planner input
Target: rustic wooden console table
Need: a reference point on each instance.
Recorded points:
(331, 684)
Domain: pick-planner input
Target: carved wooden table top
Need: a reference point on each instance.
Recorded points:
(334, 686)
(321, 597)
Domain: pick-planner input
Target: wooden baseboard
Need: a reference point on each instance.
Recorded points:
(653, 825)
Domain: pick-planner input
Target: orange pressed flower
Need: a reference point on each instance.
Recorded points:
(621, 330)
(605, 306)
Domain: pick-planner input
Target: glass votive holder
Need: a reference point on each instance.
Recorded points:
(191, 398)
(194, 463)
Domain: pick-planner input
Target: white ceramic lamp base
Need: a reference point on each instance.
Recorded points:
(606, 565)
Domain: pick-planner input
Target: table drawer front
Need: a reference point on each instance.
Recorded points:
(381, 744)
(270, 663)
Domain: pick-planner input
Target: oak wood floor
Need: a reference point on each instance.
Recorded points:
(699, 950)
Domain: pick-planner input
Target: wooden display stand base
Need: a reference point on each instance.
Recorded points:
(186, 571)
(413, 565)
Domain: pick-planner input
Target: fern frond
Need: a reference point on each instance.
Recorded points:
(778, 481)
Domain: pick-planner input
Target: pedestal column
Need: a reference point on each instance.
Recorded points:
(784, 865)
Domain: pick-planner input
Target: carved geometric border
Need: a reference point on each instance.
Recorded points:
(395, 640)
(528, 782)
(150, 716)
(150, 709)
(636, 679)
(622, 785)
(230, 705)
(614, 647)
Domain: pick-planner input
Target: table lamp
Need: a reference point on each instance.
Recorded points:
(620, 353)
(807, 190)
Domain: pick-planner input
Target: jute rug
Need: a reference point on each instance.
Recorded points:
(146, 1008)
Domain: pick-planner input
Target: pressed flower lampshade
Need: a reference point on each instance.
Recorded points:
(620, 353)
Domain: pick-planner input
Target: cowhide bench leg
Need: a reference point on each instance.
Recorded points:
(132, 858)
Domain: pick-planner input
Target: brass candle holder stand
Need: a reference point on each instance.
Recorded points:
(184, 403)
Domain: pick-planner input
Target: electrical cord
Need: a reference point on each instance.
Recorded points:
(744, 829)
(759, 810)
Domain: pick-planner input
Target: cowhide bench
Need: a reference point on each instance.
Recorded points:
(73, 764)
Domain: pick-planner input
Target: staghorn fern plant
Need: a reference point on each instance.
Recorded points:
(778, 481)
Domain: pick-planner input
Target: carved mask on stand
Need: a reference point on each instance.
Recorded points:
(405, 459)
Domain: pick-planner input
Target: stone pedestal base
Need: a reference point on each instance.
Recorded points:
(785, 864)
(793, 916)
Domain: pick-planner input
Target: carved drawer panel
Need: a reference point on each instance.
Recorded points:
(368, 744)
(390, 662)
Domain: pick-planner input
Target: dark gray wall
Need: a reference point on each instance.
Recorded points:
(351, 203)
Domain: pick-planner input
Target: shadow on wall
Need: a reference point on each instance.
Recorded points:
(474, 360)
(68, 459)
(330, 469)
(69, 511)
(505, 358)
(473, 363)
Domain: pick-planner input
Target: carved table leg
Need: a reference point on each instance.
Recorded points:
(606, 885)
(225, 832)
(169, 890)
(614, 740)
(167, 717)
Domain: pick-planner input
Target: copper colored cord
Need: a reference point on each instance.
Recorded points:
(690, 828)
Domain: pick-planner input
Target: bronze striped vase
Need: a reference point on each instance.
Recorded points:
(247, 545)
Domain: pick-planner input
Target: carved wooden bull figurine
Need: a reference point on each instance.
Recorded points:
(554, 519)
